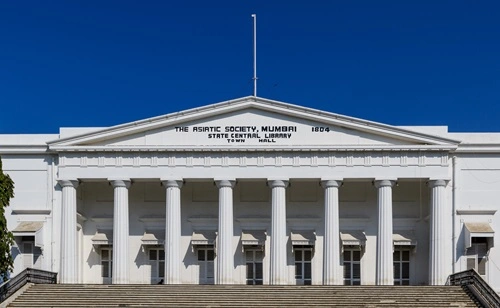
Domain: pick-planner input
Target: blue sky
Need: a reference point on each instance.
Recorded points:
(102, 63)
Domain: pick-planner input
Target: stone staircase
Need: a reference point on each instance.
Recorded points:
(84, 295)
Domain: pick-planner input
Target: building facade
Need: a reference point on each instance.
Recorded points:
(255, 191)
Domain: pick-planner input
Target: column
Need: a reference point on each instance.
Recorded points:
(69, 267)
(385, 266)
(120, 231)
(225, 251)
(438, 241)
(279, 274)
(332, 274)
(172, 230)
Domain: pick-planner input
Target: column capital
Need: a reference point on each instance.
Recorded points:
(69, 183)
(176, 183)
(277, 183)
(119, 182)
(224, 182)
(326, 183)
(384, 183)
(437, 183)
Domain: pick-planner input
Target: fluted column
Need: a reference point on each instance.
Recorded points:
(332, 274)
(278, 233)
(385, 266)
(438, 242)
(69, 267)
(172, 230)
(120, 231)
(225, 252)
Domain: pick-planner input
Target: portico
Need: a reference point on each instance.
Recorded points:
(227, 211)
(295, 180)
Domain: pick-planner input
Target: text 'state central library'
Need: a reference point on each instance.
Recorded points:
(255, 191)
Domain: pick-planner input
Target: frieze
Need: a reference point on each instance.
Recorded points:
(262, 159)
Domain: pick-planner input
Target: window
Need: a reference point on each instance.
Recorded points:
(106, 262)
(157, 262)
(303, 257)
(477, 255)
(352, 266)
(28, 254)
(401, 259)
(254, 259)
(206, 256)
(31, 255)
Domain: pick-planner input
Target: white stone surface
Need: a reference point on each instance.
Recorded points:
(121, 250)
(173, 231)
(225, 251)
(332, 274)
(385, 271)
(69, 252)
(322, 147)
(438, 233)
(278, 274)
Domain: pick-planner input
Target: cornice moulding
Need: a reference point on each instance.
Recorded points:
(31, 211)
(313, 148)
(24, 149)
(478, 148)
(476, 212)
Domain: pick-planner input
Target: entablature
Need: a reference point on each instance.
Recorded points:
(385, 158)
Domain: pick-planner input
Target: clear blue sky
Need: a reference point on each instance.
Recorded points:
(102, 63)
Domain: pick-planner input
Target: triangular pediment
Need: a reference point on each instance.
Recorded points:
(251, 122)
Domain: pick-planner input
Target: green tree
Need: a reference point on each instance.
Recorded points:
(6, 237)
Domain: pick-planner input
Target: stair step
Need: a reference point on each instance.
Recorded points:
(84, 295)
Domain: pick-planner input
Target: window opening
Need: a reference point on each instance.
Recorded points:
(303, 258)
(401, 259)
(28, 256)
(477, 255)
(254, 258)
(106, 262)
(352, 267)
(206, 256)
(157, 262)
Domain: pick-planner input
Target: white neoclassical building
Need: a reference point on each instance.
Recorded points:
(255, 191)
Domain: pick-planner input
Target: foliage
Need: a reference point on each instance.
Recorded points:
(6, 237)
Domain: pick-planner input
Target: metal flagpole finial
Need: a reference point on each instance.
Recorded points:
(254, 16)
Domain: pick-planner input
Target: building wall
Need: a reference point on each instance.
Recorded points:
(358, 151)
(34, 180)
(477, 200)
(38, 198)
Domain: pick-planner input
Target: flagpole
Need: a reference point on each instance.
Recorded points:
(254, 16)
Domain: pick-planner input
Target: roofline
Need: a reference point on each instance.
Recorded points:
(478, 148)
(260, 148)
(24, 149)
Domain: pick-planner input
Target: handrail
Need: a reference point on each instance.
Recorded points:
(28, 275)
(479, 288)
